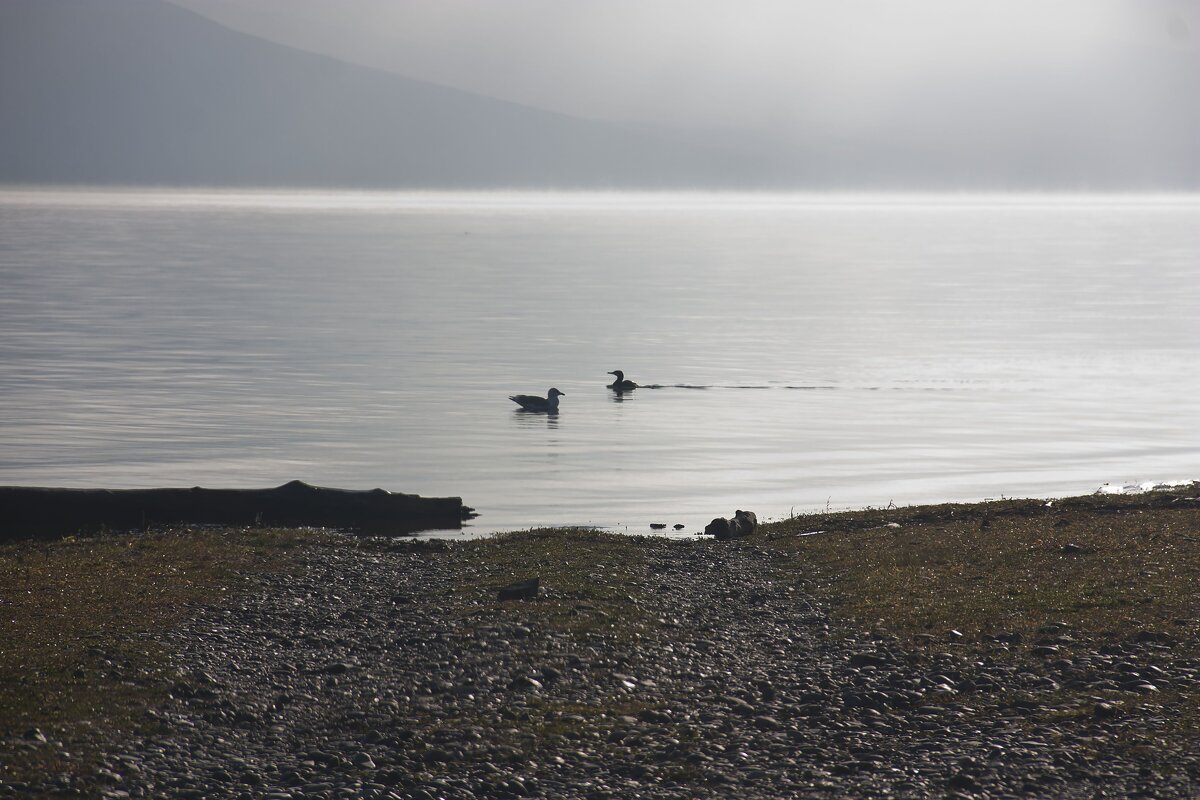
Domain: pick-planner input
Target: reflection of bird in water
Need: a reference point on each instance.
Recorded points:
(620, 384)
(531, 402)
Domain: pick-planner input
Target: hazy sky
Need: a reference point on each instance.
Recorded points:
(741, 64)
(996, 94)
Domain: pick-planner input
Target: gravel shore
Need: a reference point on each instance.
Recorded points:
(367, 676)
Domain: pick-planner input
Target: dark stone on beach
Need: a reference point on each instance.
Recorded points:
(719, 528)
(679, 526)
(747, 521)
(742, 523)
(740, 706)
(1144, 636)
(521, 590)
(526, 683)
(657, 526)
(654, 715)
(963, 782)
(867, 660)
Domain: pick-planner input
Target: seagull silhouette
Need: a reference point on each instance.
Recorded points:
(531, 402)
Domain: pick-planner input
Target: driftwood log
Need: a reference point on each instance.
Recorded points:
(29, 512)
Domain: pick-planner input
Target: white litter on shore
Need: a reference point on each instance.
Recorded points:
(1139, 488)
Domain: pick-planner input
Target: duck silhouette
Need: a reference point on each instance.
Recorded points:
(620, 384)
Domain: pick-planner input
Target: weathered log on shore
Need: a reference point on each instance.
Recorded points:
(30, 512)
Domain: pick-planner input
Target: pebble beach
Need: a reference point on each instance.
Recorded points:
(389, 669)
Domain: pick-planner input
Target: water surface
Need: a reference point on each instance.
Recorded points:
(810, 351)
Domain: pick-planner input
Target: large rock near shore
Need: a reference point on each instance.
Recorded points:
(742, 523)
(30, 512)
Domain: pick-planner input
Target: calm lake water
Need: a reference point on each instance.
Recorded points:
(809, 351)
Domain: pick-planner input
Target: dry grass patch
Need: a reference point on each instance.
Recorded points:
(1103, 566)
(1104, 570)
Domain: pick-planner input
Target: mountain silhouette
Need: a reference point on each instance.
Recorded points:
(144, 92)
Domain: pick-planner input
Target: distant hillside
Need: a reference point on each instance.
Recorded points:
(144, 92)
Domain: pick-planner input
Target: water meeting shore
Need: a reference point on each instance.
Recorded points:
(1004, 649)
